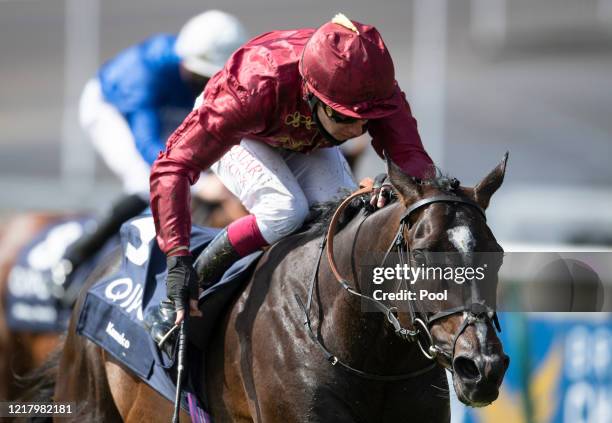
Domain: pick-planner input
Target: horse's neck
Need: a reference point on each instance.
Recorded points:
(365, 240)
(356, 335)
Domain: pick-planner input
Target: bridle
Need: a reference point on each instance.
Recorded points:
(420, 321)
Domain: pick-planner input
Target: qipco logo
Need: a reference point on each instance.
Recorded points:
(124, 291)
(127, 294)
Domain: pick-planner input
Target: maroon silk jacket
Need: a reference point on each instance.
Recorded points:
(258, 95)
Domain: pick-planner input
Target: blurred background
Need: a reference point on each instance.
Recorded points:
(532, 77)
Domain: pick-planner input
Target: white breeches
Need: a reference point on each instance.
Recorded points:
(279, 186)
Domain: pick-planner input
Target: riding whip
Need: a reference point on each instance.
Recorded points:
(182, 352)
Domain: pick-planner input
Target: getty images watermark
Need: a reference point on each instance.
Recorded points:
(546, 281)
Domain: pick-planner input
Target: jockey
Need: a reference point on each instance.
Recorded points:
(134, 103)
(296, 95)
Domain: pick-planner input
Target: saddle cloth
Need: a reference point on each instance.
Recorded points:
(112, 315)
(30, 304)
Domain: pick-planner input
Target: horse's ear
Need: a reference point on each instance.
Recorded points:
(486, 188)
(403, 184)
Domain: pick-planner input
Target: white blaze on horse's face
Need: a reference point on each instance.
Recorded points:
(461, 237)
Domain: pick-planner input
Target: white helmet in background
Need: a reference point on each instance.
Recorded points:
(207, 40)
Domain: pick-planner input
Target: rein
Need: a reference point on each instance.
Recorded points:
(476, 311)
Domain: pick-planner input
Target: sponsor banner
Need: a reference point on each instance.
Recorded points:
(560, 371)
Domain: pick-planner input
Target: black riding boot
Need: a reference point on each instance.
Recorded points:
(216, 258)
(85, 247)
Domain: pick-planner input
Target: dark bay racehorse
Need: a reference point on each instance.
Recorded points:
(262, 364)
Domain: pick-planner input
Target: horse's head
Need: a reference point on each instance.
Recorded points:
(443, 217)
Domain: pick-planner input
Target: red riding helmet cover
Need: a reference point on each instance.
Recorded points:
(347, 65)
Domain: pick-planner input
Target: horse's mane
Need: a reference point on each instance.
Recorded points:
(321, 214)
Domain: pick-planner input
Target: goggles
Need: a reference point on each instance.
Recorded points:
(336, 116)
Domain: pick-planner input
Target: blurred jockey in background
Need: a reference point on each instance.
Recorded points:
(269, 125)
(136, 100)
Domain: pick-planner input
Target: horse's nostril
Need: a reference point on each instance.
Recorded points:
(466, 368)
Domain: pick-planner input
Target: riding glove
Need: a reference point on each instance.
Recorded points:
(381, 191)
(181, 281)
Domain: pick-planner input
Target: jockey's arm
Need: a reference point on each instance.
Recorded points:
(146, 128)
(397, 135)
(190, 150)
(230, 111)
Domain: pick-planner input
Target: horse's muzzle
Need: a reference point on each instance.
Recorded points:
(477, 378)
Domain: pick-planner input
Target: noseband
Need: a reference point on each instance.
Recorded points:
(420, 321)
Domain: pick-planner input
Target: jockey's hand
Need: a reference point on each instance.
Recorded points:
(381, 191)
(182, 285)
